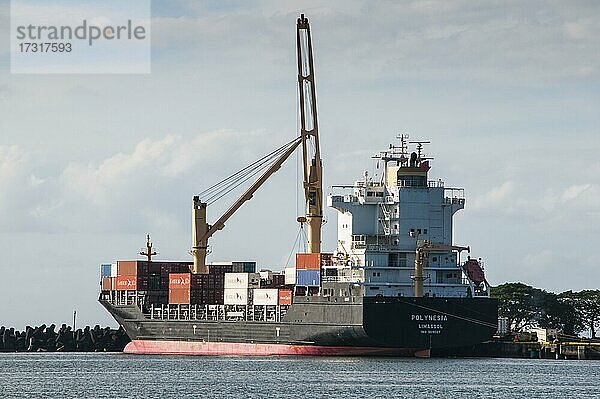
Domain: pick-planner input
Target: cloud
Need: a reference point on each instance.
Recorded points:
(122, 192)
(377, 41)
(573, 192)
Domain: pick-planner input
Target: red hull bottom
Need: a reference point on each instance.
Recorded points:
(151, 347)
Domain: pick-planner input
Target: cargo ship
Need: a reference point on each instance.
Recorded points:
(396, 285)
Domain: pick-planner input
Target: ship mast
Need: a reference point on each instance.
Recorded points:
(312, 168)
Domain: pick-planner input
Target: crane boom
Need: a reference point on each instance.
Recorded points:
(201, 231)
(313, 168)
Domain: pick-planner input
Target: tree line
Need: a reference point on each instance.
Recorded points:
(571, 312)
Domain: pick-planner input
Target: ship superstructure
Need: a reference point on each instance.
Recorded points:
(395, 285)
(385, 224)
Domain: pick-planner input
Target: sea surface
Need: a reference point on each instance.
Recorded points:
(103, 375)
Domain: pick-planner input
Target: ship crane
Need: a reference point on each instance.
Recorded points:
(424, 247)
(312, 167)
(309, 129)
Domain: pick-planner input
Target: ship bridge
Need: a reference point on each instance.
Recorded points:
(381, 220)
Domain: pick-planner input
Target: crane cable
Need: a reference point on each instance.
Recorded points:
(224, 187)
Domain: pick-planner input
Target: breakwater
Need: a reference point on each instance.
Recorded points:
(48, 339)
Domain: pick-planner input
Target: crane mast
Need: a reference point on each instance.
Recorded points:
(312, 168)
(424, 247)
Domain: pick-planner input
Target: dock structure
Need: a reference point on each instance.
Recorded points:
(572, 350)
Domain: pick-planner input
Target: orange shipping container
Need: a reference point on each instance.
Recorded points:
(132, 268)
(124, 283)
(308, 261)
(107, 283)
(285, 297)
(179, 281)
(179, 296)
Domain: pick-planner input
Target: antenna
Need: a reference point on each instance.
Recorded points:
(149, 253)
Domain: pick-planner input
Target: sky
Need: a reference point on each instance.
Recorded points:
(506, 91)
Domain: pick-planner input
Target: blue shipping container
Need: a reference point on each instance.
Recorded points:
(308, 277)
(105, 270)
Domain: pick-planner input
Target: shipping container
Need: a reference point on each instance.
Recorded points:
(290, 275)
(179, 281)
(199, 281)
(241, 280)
(107, 283)
(266, 274)
(132, 268)
(308, 261)
(278, 279)
(123, 283)
(285, 297)
(265, 296)
(244, 267)
(105, 270)
(113, 270)
(308, 277)
(179, 296)
(155, 282)
(173, 267)
(235, 296)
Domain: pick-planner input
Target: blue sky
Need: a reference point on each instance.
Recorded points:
(506, 91)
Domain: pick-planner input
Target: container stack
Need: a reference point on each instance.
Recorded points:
(132, 275)
(106, 282)
(270, 279)
(308, 269)
(179, 288)
(244, 267)
(238, 287)
(172, 282)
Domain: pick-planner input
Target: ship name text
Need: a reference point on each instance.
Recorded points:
(428, 317)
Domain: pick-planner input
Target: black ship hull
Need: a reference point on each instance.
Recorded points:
(315, 326)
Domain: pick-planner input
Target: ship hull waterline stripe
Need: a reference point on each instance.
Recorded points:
(164, 347)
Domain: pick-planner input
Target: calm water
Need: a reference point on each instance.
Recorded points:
(117, 375)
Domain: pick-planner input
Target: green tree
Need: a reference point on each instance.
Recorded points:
(516, 303)
(586, 307)
(527, 306)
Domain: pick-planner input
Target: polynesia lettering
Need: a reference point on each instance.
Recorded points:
(428, 317)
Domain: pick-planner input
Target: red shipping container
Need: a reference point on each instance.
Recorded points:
(308, 261)
(285, 297)
(179, 296)
(179, 281)
(124, 283)
(107, 283)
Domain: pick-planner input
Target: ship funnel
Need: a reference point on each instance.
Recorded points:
(199, 229)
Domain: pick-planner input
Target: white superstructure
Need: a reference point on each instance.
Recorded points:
(380, 222)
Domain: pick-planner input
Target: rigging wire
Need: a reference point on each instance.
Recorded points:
(293, 247)
(222, 188)
(249, 166)
(241, 178)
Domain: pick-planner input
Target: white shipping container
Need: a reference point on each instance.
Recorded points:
(241, 280)
(265, 296)
(235, 296)
(113, 270)
(290, 275)
(236, 280)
